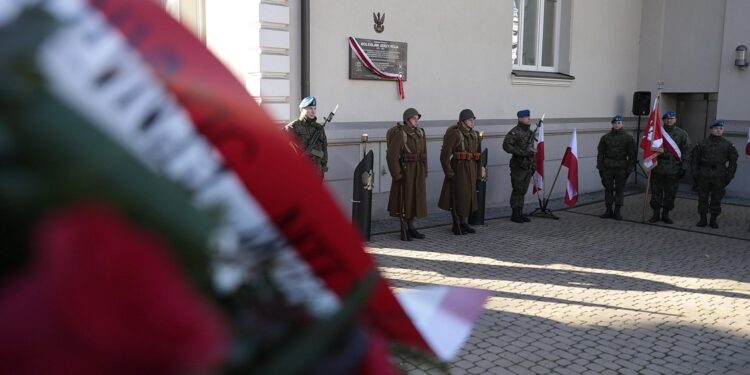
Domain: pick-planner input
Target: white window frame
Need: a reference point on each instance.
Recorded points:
(539, 37)
(175, 8)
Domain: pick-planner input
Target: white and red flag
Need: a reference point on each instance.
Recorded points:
(655, 139)
(652, 140)
(369, 64)
(570, 160)
(747, 145)
(538, 177)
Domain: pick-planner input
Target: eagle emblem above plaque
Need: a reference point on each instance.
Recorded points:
(379, 22)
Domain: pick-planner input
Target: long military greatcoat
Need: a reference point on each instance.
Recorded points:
(461, 174)
(404, 140)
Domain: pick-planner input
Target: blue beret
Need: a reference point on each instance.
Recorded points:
(308, 102)
(616, 118)
(717, 123)
(669, 114)
(523, 113)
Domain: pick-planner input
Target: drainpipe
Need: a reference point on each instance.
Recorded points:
(305, 34)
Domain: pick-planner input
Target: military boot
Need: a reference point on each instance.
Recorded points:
(702, 222)
(617, 215)
(516, 216)
(656, 217)
(524, 217)
(608, 213)
(466, 227)
(412, 230)
(712, 223)
(665, 216)
(414, 234)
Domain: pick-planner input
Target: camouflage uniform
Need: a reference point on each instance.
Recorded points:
(665, 177)
(303, 129)
(615, 160)
(713, 164)
(518, 142)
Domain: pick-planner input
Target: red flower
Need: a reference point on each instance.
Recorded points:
(103, 296)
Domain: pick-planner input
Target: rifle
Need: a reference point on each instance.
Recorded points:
(477, 217)
(532, 136)
(316, 136)
(402, 213)
(454, 215)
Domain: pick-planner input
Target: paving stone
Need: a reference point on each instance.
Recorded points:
(582, 294)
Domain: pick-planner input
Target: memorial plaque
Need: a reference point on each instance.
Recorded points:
(389, 57)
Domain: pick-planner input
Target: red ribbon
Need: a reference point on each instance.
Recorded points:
(367, 62)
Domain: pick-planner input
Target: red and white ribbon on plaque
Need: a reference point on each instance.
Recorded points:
(367, 62)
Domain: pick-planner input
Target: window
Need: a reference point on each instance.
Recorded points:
(536, 35)
(190, 13)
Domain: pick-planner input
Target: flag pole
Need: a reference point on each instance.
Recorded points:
(553, 184)
(660, 86)
(645, 197)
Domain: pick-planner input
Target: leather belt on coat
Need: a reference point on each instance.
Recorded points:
(413, 157)
(467, 155)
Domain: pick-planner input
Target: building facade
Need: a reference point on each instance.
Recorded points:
(577, 61)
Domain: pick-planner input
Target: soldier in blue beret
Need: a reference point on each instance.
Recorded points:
(519, 142)
(713, 164)
(665, 177)
(615, 159)
(310, 134)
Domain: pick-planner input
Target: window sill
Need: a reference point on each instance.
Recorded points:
(525, 77)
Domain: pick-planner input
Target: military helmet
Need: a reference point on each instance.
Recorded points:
(409, 113)
(466, 114)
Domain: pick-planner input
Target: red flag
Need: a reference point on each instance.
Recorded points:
(538, 177)
(570, 160)
(652, 140)
(747, 145)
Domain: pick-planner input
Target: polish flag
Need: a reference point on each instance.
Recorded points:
(570, 160)
(652, 140)
(655, 139)
(538, 177)
(747, 145)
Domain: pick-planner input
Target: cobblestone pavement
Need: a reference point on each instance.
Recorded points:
(584, 295)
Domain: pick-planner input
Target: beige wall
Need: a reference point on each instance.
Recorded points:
(734, 84)
(680, 45)
(459, 56)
